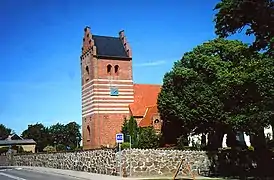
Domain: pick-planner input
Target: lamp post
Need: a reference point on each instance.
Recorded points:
(129, 155)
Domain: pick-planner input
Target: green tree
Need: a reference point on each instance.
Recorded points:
(39, 133)
(65, 135)
(130, 127)
(73, 135)
(4, 132)
(256, 16)
(216, 89)
(58, 134)
(147, 138)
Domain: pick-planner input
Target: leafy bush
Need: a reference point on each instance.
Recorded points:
(125, 145)
(182, 142)
(49, 149)
(250, 148)
(131, 128)
(148, 138)
(4, 150)
(61, 147)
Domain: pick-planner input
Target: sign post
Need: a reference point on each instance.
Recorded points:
(120, 140)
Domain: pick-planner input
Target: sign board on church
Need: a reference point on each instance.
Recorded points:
(119, 138)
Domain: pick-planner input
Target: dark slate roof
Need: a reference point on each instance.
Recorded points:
(109, 46)
(17, 142)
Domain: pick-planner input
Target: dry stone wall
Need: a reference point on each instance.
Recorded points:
(97, 161)
(143, 162)
(164, 162)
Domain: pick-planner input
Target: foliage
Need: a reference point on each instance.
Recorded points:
(182, 141)
(130, 127)
(220, 86)
(73, 135)
(49, 149)
(56, 135)
(61, 147)
(235, 15)
(250, 148)
(67, 135)
(141, 137)
(39, 133)
(125, 145)
(147, 138)
(4, 132)
(3, 150)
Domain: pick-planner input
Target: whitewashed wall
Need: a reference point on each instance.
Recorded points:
(197, 138)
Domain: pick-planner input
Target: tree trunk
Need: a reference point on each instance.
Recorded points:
(215, 139)
(203, 141)
(231, 139)
(258, 141)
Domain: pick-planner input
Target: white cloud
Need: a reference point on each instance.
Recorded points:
(153, 63)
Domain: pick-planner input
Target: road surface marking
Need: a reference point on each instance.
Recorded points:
(11, 176)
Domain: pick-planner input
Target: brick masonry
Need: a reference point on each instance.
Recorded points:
(143, 162)
(99, 128)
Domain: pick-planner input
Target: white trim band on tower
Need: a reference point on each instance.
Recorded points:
(88, 101)
(108, 99)
(105, 109)
(105, 112)
(105, 93)
(113, 97)
(107, 80)
(109, 85)
(104, 104)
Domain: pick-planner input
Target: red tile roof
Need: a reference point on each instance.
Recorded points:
(147, 120)
(145, 95)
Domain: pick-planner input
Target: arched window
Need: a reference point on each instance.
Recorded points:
(88, 128)
(109, 67)
(87, 69)
(116, 69)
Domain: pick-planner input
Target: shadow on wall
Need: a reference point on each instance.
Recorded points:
(235, 163)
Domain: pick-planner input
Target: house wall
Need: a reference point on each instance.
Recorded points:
(29, 148)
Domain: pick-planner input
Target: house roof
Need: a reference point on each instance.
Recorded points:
(147, 120)
(145, 95)
(109, 46)
(17, 142)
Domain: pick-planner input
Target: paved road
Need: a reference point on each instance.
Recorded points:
(23, 174)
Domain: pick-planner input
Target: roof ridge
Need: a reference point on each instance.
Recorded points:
(148, 84)
(105, 36)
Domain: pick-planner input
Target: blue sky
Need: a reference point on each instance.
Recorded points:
(41, 44)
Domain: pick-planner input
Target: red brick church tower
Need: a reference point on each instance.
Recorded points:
(107, 87)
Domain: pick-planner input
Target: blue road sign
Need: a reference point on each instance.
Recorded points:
(119, 138)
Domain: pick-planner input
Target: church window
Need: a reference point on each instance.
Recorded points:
(88, 130)
(109, 67)
(87, 69)
(116, 69)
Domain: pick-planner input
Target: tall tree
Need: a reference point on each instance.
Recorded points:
(148, 138)
(256, 16)
(73, 135)
(65, 135)
(4, 132)
(39, 133)
(58, 134)
(215, 88)
(130, 127)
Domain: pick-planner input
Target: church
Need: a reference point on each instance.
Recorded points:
(109, 94)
